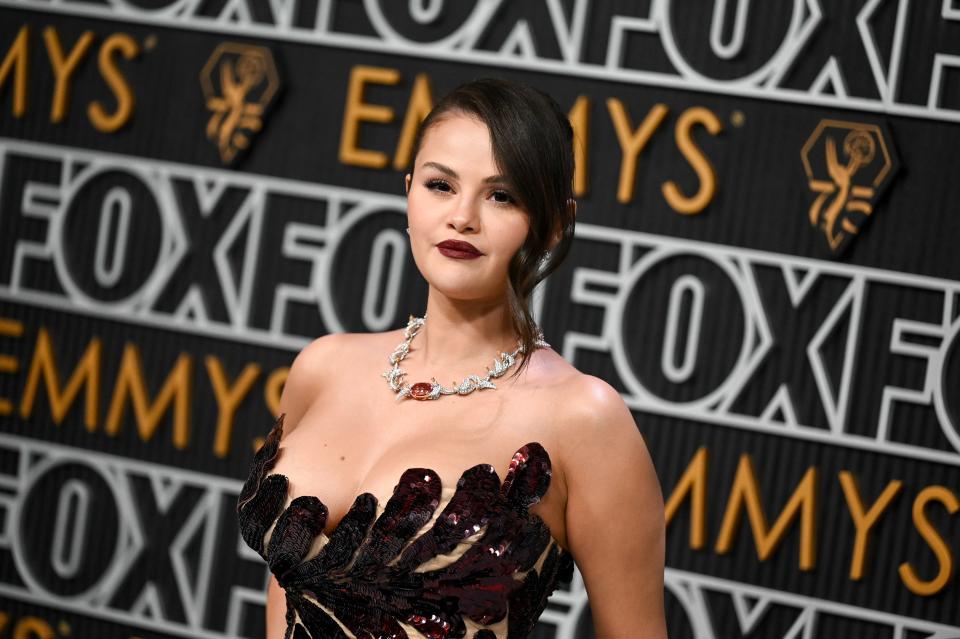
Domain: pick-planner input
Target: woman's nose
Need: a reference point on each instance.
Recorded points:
(464, 218)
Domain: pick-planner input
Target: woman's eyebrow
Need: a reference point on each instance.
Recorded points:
(442, 168)
(493, 179)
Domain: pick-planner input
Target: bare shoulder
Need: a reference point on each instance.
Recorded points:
(603, 447)
(311, 374)
(312, 357)
(614, 511)
(582, 406)
(331, 352)
(311, 366)
(595, 410)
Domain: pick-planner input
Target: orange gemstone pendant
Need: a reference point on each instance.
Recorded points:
(421, 390)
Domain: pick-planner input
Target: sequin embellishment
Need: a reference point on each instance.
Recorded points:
(366, 573)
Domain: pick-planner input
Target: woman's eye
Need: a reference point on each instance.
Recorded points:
(439, 185)
(504, 197)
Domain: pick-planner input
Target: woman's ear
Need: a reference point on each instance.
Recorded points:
(406, 183)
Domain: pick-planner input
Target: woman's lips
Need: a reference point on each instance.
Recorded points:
(458, 250)
(459, 255)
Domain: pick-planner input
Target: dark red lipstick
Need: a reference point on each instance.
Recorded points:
(458, 250)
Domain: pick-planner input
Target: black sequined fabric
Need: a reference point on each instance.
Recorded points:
(483, 568)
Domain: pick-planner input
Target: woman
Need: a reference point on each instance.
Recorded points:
(390, 505)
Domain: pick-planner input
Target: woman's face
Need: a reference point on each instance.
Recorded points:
(455, 193)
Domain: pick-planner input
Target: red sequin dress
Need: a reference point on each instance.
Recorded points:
(441, 562)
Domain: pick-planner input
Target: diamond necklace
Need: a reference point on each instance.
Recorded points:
(434, 389)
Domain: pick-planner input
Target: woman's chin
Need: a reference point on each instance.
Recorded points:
(463, 289)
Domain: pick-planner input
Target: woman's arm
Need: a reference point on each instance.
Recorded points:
(305, 378)
(614, 516)
(300, 390)
(276, 610)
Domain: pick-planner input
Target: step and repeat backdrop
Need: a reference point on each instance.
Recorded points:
(766, 266)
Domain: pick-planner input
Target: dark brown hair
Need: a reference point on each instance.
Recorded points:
(532, 144)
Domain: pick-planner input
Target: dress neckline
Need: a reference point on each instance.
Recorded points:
(532, 487)
(430, 555)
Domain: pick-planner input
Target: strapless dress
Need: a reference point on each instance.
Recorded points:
(438, 562)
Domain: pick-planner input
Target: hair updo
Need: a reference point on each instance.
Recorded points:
(532, 144)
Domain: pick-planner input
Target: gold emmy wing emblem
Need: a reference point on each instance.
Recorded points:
(846, 164)
(239, 82)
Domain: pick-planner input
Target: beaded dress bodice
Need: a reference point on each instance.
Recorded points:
(465, 561)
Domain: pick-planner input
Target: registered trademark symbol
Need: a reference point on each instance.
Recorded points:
(150, 42)
(63, 627)
(737, 118)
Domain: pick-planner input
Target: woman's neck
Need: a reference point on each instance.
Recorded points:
(460, 336)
